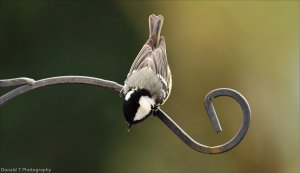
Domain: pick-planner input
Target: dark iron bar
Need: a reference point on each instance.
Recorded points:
(28, 84)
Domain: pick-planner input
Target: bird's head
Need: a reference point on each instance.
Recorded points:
(137, 106)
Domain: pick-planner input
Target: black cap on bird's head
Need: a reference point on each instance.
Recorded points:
(137, 106)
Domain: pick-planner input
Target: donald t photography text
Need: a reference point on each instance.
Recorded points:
(26, 170)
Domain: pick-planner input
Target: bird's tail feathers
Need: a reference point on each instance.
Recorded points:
(155, 25)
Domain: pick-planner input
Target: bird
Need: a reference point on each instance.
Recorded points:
(149, 81)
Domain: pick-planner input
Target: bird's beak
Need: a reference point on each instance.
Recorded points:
(128, 128)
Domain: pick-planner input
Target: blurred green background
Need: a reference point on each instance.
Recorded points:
(250, 46)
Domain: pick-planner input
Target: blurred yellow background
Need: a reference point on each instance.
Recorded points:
(251, 46)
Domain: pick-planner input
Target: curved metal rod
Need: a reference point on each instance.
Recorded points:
(214, 119)
(30, 84)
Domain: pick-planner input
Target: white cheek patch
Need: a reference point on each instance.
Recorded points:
(144, 108)
(128, 95)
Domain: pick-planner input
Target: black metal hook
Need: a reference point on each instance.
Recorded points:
(215, 122)
(30, 84)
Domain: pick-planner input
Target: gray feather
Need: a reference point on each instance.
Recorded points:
(152, 56)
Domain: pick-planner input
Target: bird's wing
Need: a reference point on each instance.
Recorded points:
(153, 54)
(155, 59)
